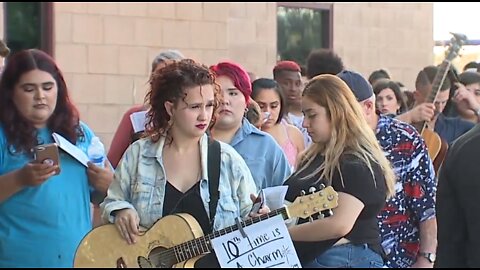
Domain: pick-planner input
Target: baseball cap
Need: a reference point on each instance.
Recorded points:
(360, 87)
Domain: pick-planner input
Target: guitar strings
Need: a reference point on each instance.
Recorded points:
(170, 254)
(189, 246)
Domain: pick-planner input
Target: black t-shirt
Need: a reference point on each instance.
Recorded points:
(189, 202)
(358, 182)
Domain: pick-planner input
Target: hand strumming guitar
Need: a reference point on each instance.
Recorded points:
(127, 223)
(422, 112)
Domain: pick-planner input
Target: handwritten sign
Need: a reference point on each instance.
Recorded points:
(267, 245)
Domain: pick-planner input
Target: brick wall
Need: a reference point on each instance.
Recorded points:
(396, 36)
(105, 49)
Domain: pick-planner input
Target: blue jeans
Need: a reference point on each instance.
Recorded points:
(347, 256)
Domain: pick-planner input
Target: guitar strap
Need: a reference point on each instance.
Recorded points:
(213, 176)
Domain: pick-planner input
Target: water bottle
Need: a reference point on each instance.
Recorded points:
(96, 152)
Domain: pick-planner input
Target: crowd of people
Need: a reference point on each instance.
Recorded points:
(331, 127)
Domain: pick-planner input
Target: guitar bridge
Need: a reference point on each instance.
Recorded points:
(121, 263)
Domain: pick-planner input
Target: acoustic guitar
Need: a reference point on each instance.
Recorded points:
(177, 240)
(437, 147)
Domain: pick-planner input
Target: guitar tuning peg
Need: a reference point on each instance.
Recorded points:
(312, 190)
(310, 219)
(322, 186)
(302, 192)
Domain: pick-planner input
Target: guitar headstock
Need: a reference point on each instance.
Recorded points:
(307, 205)
(456, 43)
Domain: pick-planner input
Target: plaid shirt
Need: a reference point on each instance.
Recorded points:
(414, 200)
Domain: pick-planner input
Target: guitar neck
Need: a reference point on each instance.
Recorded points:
(202, 245)
(436, 85)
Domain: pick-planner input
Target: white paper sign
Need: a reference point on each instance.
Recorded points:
(71, 149)
(267, 245)
(275, 196)
(138, 120)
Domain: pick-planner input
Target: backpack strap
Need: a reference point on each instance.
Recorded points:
(213, 176)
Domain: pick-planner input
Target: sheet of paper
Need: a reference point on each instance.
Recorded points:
(267, 245)
(71, 149)
(138, 120)
(275, 196)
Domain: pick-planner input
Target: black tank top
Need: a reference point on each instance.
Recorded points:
(189, 202)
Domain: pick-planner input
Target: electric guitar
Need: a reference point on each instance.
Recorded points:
(177, 240)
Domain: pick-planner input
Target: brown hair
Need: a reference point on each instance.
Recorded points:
(19, 131)
(170, 84)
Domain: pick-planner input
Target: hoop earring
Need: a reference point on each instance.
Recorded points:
(245, 113)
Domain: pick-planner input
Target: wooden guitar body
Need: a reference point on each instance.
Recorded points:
(433, 142)
(442, 154)
(178, 240)
(437, 148)
(105, 247)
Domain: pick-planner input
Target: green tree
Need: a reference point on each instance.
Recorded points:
(299, 31)
(23, 25)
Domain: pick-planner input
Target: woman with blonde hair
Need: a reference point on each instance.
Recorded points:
(345, 155)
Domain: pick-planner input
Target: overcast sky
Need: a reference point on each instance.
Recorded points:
(456, 17)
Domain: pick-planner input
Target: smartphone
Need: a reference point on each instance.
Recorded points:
(46, 152)
(258, 203)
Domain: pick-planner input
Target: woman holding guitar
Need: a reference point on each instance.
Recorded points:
(345, 155)
(168, 171)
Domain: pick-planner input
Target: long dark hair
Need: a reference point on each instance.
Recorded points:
(21, 133)
(264, 83)
(382, 84)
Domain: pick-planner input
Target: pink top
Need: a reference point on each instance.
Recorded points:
(123, 136)
(289, 148)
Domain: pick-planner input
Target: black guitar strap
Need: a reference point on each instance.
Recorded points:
(213, 176)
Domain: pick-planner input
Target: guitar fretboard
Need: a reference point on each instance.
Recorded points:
(436, 85)
(202, 245)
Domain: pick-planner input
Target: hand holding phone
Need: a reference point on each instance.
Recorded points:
(48, 154)
(258, 203)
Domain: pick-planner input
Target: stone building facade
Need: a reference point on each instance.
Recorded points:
(105, 49)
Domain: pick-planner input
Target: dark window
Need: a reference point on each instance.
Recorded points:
(301, 28)
(28, 26)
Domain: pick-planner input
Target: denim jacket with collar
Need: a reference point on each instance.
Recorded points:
(139, 184)
(263, 155)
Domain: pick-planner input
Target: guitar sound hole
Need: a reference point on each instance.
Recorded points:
(159, 259)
